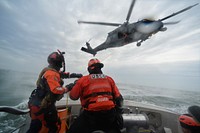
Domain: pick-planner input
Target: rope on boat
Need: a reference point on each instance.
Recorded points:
(67, 109)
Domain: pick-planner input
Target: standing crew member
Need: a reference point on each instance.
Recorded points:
(100, 99)
(42, 101)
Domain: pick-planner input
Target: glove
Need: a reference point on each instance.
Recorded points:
(119, 110)
(61, 82)
(75, 75)
(70, 86)
(64, 75)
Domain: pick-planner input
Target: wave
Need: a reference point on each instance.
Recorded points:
(174, 100)
(9, 122)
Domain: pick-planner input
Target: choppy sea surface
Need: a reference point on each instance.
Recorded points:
(15, 88)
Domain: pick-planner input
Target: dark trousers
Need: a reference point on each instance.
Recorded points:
(89, 121)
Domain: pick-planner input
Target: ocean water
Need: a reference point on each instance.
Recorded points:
(15, 88)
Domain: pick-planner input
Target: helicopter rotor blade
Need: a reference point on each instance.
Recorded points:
(99, 23)
(130, 10)
(185, 9)
(171, 23)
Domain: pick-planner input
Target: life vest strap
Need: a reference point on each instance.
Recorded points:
(97, 94)
(42, 73)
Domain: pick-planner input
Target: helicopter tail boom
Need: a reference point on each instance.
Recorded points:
(89, 49)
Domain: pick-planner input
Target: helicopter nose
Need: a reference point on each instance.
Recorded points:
(150, 27)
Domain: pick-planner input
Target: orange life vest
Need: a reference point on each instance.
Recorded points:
(51, 76)
(98, 94)
(50, 85)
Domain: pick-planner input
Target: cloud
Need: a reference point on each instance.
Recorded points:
(30, 30)
(188, 35)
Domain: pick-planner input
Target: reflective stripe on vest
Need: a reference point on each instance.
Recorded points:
(98, 93)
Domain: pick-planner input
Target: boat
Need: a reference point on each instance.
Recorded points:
(138, 117)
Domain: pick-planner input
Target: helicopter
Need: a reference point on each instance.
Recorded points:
(126, 32)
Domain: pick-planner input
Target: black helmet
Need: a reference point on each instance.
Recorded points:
(55, 59)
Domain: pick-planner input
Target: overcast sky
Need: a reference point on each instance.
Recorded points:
(31, 29)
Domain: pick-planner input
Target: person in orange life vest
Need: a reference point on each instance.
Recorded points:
(188, 124)
(49, 90)
(100, 99)
(194, 111)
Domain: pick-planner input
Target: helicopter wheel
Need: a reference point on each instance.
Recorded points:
(138, 44)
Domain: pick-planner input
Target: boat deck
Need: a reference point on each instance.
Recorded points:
(138, 117)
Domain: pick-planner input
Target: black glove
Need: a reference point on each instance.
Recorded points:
(70, 86)
(64, 75)
(119, 110)
(61, 82)
(75, 75)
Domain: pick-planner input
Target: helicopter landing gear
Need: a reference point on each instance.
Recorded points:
(138, 44)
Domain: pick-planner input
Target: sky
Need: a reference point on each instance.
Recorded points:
(31, 30)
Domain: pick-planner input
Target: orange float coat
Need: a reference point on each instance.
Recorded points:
(53, 80)
(96, 91)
